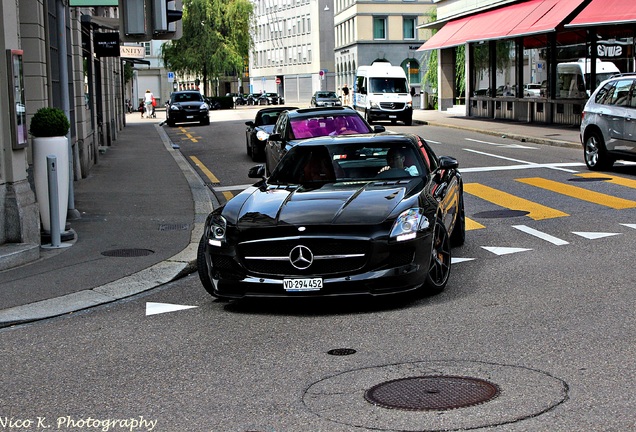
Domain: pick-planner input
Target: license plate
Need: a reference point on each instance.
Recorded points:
(306, 284)
(392, 116)
(189, 116)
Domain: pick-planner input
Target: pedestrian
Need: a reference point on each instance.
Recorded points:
(148, 97)
(141, 108)
(345, 93)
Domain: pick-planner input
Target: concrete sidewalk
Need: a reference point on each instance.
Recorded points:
(142, 213)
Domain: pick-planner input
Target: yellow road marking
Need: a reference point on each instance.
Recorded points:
(204, 169)
(580, 193)
(473, 225)
(228, 195)
(535, 211)
(622, 181)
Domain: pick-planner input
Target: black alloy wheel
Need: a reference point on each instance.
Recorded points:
(440, 265)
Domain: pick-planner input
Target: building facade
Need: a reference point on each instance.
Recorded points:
(390, 30)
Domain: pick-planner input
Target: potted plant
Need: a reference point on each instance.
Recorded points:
(49, 127)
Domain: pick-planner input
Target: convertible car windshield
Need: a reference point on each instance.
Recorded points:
(347, 163)
(328, 125)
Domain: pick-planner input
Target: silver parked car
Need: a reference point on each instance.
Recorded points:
(325, 98)
(608, 124)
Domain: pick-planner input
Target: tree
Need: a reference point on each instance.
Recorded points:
(216, 39)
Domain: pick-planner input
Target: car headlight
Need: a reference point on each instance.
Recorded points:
(408, 224)
(374, 105)
(218, 230)
(175, 107)
(262, 135)
(204, 107)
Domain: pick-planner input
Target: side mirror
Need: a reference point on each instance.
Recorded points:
(249, 123)
(447, 162)
(257, 171)
(378, 129)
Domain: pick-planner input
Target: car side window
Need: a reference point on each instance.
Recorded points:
(602, 94)
(620, 96)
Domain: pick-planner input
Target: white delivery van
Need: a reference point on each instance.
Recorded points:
(381, 92)
(573, 78)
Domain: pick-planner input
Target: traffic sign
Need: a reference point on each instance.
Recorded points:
(170, 76)
(277, 80)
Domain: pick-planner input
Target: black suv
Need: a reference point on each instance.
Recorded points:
(187, 106)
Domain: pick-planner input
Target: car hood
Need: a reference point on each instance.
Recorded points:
(365, 203)
(188, 105)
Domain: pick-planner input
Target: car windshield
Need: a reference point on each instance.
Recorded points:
(328, 125)
(388, 85)
(187, 97)
(267, 118)
(326, 95)
(348, 162)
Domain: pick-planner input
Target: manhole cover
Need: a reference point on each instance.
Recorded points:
(431, 393)
(501, 214)
(127, 253)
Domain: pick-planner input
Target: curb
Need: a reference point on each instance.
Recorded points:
(176, 267)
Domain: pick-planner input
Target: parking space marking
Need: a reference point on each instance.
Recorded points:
(525, 164)
(503, 199)
(580, 193)
(204, 170)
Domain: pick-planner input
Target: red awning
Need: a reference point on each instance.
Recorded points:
(606, 12)
(522, 19)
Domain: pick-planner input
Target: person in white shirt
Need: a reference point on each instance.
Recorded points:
(148, 101)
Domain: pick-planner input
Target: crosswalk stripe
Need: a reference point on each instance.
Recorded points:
(503, 199)
(579, 193)
(622, 181)
(473, 225)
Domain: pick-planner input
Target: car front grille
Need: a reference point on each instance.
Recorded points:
(329, 257)
(392, 105)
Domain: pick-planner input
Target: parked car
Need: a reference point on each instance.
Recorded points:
(532, 90)
(258, 130)
(187, 106)
(333, 219)
(607, 123)
(297, 125)
(270, 99)
(237, 98)
(252, 98)
(325, 98)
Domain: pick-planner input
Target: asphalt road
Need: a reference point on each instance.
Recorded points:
(540, 303)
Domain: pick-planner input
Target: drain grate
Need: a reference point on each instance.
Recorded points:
(494, 214)
(341, 351)
(174, 227)
(127, 253)
(437, 393)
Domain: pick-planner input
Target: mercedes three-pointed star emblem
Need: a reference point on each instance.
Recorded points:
(301, 257)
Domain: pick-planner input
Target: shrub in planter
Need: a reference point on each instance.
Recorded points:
(49, 122)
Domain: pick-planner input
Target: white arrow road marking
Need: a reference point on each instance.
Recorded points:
(543, 236)
(594, 235)
(460, 260)
(504, 250)
(159, 308)
(630, 225)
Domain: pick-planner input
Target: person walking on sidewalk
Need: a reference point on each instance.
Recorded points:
(345, 92)
(148, 97)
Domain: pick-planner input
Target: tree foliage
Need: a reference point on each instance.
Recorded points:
(216, 39)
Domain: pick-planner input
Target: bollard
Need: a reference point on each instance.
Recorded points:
(54, 210)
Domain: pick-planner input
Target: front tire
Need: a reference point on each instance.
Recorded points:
(202, 269)
(595, 153)
(440, 265)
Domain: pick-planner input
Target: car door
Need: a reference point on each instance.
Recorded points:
(276, 142)
(617, 104)
(630, 121)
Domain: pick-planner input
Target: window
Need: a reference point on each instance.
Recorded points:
(379, 28)
(147, 48)
(408, 28)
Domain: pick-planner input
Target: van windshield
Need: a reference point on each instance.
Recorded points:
(388, 85)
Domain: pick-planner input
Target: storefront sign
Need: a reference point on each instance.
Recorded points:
(128, 51)
(106, 44)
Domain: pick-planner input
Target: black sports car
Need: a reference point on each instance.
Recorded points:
(342, 215)
(297, 125)
(259, 129)
(187, 106)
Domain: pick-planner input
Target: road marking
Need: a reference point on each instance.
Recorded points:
(502, 145)
(473, 225)
(204, 169)
(159, 308)
(630, 225)
(504, 250)
(461, 260)
(580, 193)
(535, 211)
(526, 164)
(543, 236)
(594, 235)
(622, 181)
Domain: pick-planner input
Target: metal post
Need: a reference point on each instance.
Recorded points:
(54, 207)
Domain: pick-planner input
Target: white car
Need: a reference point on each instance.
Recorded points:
(531, 90)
